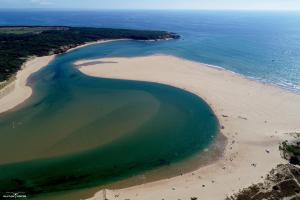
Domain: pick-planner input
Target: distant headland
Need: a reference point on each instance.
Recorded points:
(18, 43)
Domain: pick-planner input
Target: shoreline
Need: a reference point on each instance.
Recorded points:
(21, 91)
(17, 92)
(94, 43)
(253, 125)
(211, 154)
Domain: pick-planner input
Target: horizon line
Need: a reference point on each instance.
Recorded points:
(150, 9)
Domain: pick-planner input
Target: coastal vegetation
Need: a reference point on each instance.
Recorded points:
(282, 182)
(21, 42)
(290, 150)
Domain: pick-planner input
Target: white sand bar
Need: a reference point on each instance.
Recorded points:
(256, 118)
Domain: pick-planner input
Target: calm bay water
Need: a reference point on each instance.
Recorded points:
(78, 131)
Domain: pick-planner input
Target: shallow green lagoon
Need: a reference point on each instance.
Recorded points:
(79, 132)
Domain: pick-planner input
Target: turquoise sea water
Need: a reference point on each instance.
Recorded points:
(78, 131)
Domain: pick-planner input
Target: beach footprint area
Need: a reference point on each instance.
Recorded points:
(79, 132)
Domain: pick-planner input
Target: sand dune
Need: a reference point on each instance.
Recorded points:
(255, 119)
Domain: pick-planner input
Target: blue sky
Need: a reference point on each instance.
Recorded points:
(155, 4)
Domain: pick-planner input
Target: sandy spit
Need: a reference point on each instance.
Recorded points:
(255, 117)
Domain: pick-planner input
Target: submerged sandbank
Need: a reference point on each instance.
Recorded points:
(18, 91)
(255, 118)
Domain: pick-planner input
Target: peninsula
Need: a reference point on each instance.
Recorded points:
(21, 42)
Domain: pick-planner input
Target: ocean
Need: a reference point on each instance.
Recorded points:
(261, 45)
(75, 133)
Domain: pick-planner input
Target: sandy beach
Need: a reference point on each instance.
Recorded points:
(17, 92)
(255, 118)
(93, 43)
